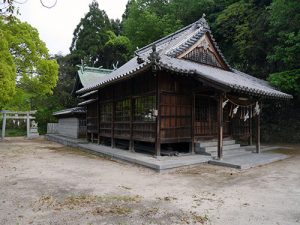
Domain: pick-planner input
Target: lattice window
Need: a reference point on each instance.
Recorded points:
(201, 111)
(123, 110)
(202, 55)
(145, 108)
(106, 112)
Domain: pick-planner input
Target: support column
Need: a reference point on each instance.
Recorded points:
(131, 141)
(98, 116)
(28, 124)
(258, 133)
(250, 127)
(220, 127)
(113, 124)
(157, 140)
(192, 147)
(3, 126)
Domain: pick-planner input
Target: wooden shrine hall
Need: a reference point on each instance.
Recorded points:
(176, 92)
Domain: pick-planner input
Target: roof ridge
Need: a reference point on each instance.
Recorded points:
(140, 51)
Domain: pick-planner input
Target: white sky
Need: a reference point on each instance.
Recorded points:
(56, 25)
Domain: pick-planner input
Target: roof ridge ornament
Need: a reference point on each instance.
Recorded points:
(154, 55)
(202, 22)
(139, 59)
(115, 65)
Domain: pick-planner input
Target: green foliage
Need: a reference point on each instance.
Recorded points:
(146, 22)
(25, 64)
(90, 36)
(288, 81)
(117, 49)
(7, 70)
(285, 31)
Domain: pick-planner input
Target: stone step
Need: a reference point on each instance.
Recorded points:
(233, 152)
(214, 143)
(225, 148)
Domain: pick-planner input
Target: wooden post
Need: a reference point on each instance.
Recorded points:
(250, 127)
(98, 116)
(113, 120)
(28, 124)
(157, 140)
(131, 141)
(220, 127)
(3, 125)
(258, 133)
(192, 150)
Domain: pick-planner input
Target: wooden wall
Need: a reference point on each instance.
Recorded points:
(176, 108)
(128, 110)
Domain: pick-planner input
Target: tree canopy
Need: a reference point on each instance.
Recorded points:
(26, 65)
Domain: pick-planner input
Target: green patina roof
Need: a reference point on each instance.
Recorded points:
(90, 75)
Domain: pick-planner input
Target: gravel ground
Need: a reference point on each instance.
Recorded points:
(42, 182)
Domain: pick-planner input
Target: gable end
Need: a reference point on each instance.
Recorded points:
(204, 51)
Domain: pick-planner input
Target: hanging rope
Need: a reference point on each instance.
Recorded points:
(246, 111)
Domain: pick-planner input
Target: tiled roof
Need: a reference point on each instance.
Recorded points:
(169, 47)
(235, 80)
(71, 111)
(90, 75)
(130, 68)
(88, 94)
(87, 102)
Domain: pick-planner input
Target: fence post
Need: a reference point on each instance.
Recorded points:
(28, 124)
(3, 125)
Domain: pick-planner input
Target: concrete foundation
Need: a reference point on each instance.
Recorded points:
(239, 160)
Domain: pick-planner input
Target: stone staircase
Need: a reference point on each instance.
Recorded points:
(210, 147)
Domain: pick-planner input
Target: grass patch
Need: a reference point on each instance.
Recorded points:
(14, 132)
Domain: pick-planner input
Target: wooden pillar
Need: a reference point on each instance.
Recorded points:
(3, 125)
(28, 124)
(192, 149)
(157, 140)
(258, 133)
(250, 127)
(131, 141)
(113, 120)
(220, 127)
(98, 116)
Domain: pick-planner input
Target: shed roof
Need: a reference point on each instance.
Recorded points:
(166, 52)
(70, 111)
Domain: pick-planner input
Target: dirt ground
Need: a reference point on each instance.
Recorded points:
(46, 183)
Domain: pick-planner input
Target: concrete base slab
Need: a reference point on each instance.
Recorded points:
(73, 142)
(248, 160)
(156, 163)
(239, 161)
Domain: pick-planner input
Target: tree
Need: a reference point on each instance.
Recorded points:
(147, 20)
(7, 70)
(285, 33)
(26, 62)
(90, 36)
(117, 49)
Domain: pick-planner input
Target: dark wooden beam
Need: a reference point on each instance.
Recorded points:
(131, 141)
(113, 120)
(258, 133)
(98, 116)
(250, 127)
(220, 126)
(192, 150)
(157, 139)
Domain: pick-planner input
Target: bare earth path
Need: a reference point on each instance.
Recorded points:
(46, 183)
